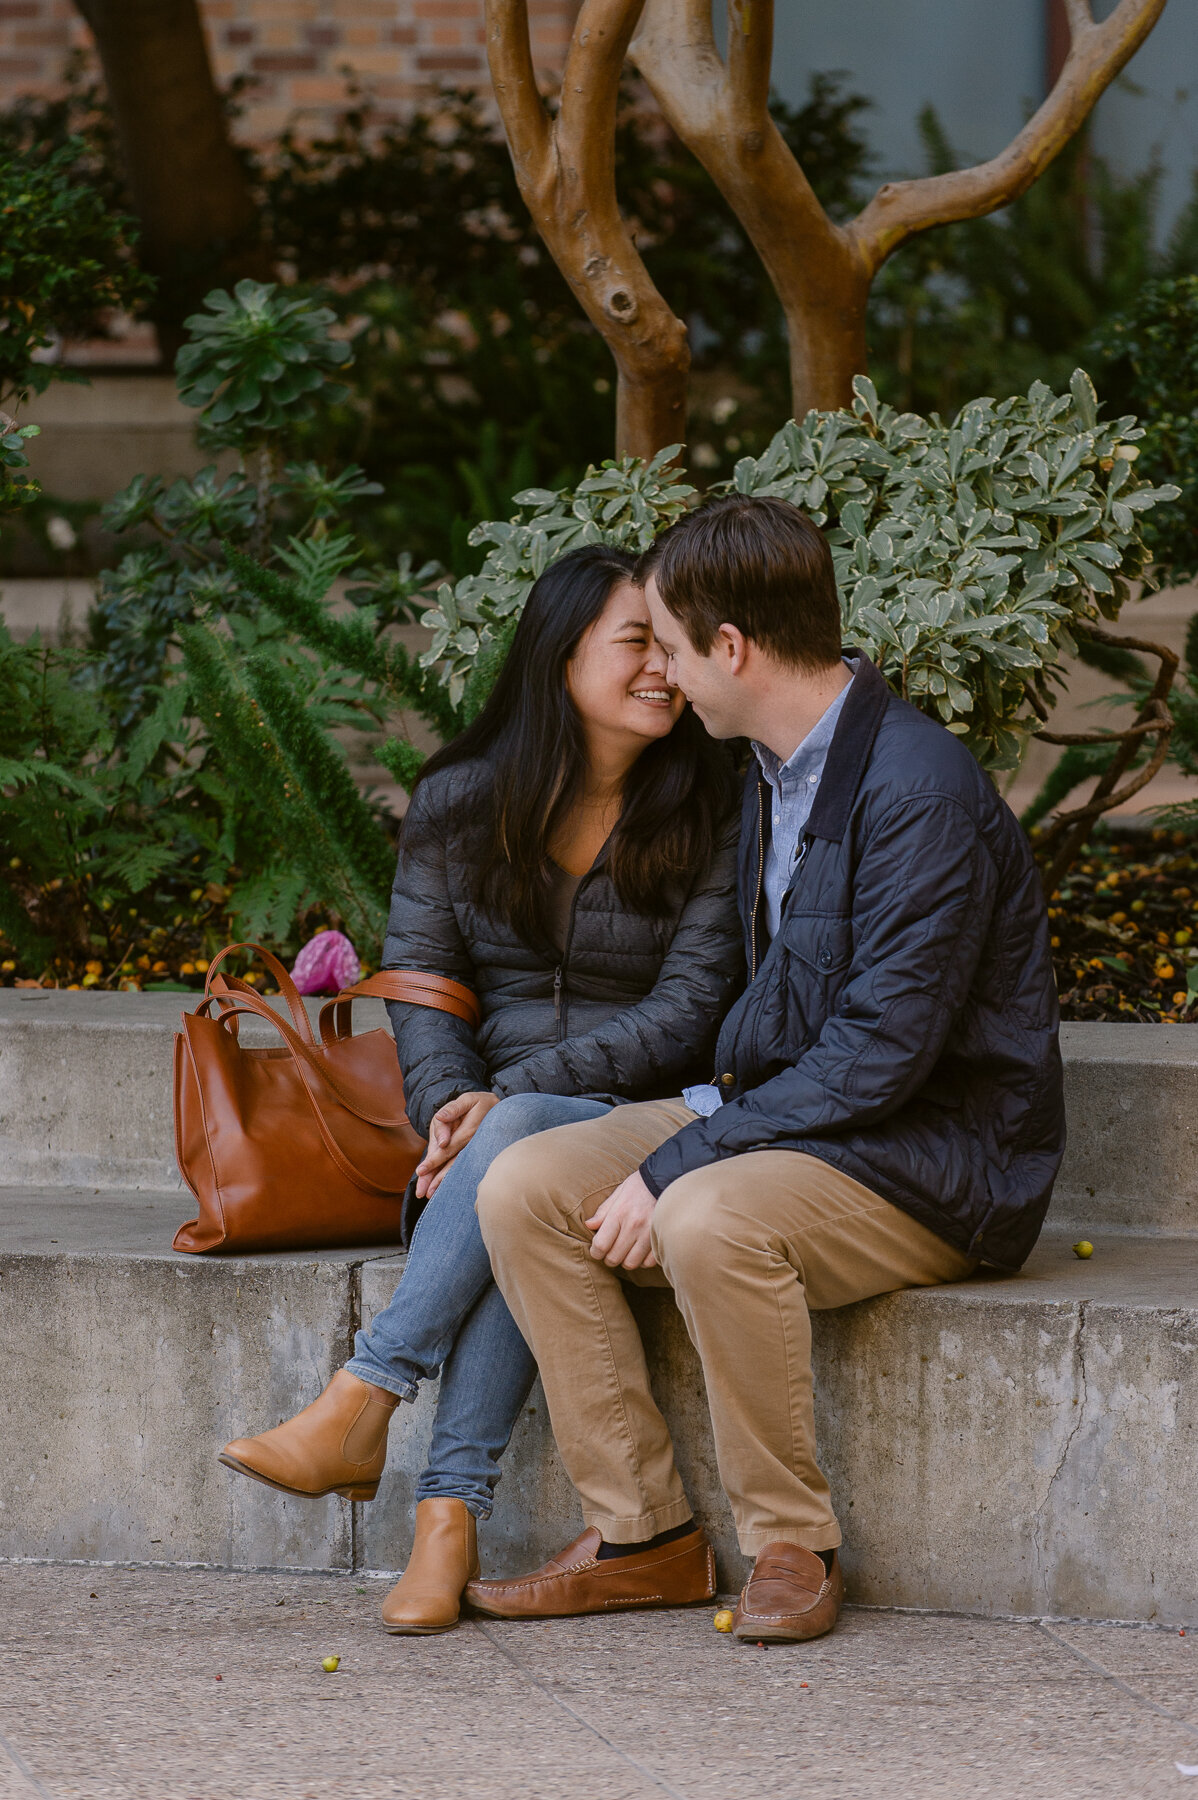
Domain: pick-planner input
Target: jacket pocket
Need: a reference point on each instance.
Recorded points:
(823, 942)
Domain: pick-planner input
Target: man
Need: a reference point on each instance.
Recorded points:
(887, 1109)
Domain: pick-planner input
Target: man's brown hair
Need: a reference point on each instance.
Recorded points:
(756, 563)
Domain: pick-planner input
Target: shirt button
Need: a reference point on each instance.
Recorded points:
(811, 780)
(825, 959)
(728, 1079)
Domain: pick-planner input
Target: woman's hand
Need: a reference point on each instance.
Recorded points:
(451, 1130)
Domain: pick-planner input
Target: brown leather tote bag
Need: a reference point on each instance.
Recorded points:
(304, 1145)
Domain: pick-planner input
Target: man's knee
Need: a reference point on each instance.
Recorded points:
(519, 1190)
(686, 1234)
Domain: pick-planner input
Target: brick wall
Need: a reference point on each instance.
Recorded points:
(297, 50)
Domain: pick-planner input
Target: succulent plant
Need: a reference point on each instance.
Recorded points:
(258, 362)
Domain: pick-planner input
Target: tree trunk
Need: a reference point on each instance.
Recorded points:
(199, 225)
(826, 329)
(651, 410)
(565, 167)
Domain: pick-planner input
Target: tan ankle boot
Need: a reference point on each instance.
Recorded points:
(444, 1558)
(338, 1445)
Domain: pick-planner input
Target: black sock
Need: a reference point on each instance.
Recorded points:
(825, 1557)
(606, 1551)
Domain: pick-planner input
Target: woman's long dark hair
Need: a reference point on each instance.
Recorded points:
(676, 797)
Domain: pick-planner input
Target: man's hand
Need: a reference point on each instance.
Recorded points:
(451, 1130)
(621, 1226)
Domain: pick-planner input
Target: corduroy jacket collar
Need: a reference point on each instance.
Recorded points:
(850, 749)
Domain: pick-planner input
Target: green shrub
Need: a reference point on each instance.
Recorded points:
(254, 367)
(65, 261)
(257, 363)
(1152, 347)
(965, 552)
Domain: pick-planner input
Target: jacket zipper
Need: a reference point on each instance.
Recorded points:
(561, 1004)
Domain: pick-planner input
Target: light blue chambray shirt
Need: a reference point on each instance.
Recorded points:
(794, 785)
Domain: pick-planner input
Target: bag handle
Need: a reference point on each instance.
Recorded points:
(305, 1063)
(305, 1054)
(437, 992)
(218, 985)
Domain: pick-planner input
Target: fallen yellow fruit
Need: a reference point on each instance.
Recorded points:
(331, 1664)
(1083, 1249)
(723, 1619)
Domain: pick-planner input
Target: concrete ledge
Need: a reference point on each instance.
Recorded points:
(1022, 1445)
(86, 1086)
(85, 1101)
(1133, 1128)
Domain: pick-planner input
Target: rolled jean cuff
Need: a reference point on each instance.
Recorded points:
(643, 1526)
(482, 1509)
(378, 1375)
(826, 1537)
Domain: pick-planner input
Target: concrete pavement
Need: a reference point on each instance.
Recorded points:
(109, 1691)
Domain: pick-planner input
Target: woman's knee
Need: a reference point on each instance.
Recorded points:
(518, 1116)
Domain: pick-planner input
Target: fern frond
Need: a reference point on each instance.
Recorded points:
(317, 764)
(401, 759)
(349, 641)
(27, 771)
(316, 562)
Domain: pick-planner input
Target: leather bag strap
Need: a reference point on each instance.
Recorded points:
(305, 1054)
(437, 992)
(308, 1066)
(295, 1005)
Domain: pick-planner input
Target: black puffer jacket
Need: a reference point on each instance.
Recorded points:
(902, 1025)
(629, 1010)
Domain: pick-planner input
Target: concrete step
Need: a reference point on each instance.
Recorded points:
(1021, 1445)
(86, 1085)
(85, 1101)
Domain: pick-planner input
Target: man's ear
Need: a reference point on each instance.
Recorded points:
(732, 646)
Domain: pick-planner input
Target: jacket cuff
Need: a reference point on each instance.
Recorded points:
(510, 1082)
(690, 1148)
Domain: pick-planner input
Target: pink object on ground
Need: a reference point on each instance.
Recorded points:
(326, 964)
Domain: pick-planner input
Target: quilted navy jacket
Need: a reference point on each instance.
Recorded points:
(902, 1025)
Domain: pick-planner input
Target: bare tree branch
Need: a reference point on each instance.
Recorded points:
(1096, 55)
(509, 54)
(750, 57)
(1068, 831)
(566, 171)
(721, 113)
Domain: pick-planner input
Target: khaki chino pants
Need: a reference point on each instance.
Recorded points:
(750, 1247)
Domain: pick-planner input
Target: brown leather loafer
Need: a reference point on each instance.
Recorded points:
(789, 1597)
(575, 1581)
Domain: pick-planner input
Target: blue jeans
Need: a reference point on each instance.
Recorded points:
(448, 1315)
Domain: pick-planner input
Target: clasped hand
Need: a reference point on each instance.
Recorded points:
(622, 1225)
(451, 1129)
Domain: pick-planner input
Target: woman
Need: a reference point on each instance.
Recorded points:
(571, 858)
